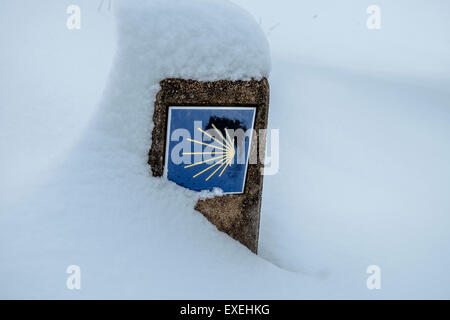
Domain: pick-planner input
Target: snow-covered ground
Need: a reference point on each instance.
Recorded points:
(364, 119)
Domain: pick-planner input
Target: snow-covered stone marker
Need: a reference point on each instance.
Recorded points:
(196, 121)
(199, 69)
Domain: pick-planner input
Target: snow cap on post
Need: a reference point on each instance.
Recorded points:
(203, 40)
(205, 54)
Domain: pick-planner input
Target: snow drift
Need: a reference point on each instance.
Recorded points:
(199, 40)
(131, 234)
(363, 178)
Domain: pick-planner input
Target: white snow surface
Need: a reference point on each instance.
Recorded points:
(102, 210)
(199, 39)
(364, 126)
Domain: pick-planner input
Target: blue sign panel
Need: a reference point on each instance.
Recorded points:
(208, 147)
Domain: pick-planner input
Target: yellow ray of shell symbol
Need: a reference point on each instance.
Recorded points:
(226, 153)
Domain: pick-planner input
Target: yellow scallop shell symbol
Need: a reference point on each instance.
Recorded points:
(225, 152)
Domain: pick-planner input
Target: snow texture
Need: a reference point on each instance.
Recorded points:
(102, 210)
(364, 127)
